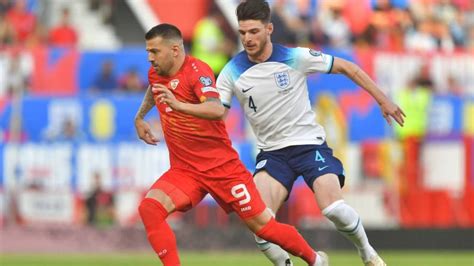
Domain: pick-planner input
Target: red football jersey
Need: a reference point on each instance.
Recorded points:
(193, 143)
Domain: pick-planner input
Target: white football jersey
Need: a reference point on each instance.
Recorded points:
(274, 95)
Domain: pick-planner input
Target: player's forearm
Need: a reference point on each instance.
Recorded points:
(147, 103)
(210, 110)
(356, 74)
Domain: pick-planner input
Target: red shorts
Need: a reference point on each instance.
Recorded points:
(234, 192)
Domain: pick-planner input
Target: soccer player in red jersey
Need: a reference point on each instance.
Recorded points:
(201, 156)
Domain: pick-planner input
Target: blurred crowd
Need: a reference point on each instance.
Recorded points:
(421, 26)
(20, 25)
(415, 25)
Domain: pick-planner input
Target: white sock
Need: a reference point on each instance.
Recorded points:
(274, 253)
(348, 223)
(320, 261)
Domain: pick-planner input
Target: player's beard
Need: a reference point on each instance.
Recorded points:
(163, 69)
(260, 49)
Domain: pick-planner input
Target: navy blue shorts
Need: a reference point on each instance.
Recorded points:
(309, 161)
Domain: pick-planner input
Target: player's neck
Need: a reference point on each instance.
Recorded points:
(179, 63)
(267, 52)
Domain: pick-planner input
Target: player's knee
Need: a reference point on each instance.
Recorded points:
(342, 215)
(258, 222)
(151, 210)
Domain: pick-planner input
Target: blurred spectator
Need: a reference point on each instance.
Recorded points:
(5, 5)
(132, 82)
(385, 26)
(100, 204)
(449, 15)
(7, 32)
(421, 40)
(63, 34)
(69, 131)
(334, 26)
(443, 37)
(454, 88)
(22, 20)
(18, 73)
(289, 26)
(210, 42)
(106, 81)
(470, 40)
(104, 8)
(415, 100)
(38, 37)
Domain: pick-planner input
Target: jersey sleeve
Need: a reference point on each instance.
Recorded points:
(312, 61)
(225, 86)
(204, 83)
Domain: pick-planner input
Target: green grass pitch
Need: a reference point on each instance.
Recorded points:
(216, 258)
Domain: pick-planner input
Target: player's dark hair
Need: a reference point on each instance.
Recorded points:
(165, 31)
(254, 10)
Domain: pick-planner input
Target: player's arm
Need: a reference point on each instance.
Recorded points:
(356, 74)
(210, 109)
(142, 127)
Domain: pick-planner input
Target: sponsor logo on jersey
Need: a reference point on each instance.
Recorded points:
(282, 79)
(174, 83)
(261, 164)
(206, 81)
(322, 168)
(246, 209)
(314, 52)
(246, 90)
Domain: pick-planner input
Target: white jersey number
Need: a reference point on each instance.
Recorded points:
(239, 191)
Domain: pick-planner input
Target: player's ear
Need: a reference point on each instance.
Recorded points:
(269, 28)
(175, 48)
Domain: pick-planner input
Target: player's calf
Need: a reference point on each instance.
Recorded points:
(160, 235)
(349, 224)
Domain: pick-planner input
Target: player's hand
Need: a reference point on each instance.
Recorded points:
(391, 110)
(166, 96)
(144, 132)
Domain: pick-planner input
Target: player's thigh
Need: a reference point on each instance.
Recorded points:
(237, 192)
(273, 192)
(274, 176)
(327, 189)
(177, 190)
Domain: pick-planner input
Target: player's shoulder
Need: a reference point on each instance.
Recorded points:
(195, 66)
(236, 66)
(198, 70)
(282, 53)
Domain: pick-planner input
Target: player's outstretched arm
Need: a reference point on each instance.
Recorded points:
(210, 109)
(142, 127)
(356, 74)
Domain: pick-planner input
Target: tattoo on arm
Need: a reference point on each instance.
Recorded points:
(147, 103)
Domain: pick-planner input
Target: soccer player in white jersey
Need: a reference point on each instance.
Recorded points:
(269, 80)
